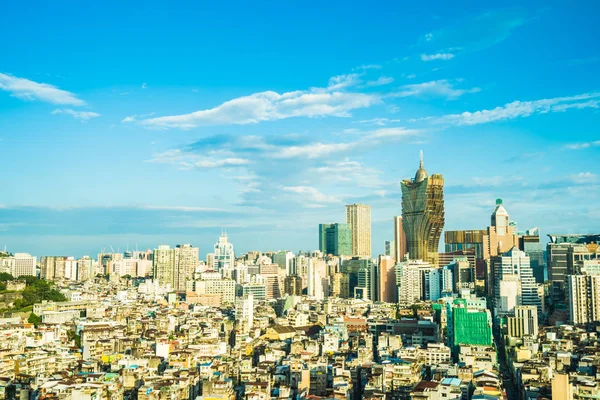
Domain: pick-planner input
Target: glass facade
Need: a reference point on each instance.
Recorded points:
(335, 239)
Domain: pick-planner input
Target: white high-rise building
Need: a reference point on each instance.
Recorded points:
(409, 280)
(18, 265)
(358, 216)
(223, 256)
(186, 261)
(244, 312)
(583, 295)
(164, 265)
(514, 266)
(524, 323)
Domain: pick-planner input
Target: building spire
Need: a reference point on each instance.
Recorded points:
(421, 159)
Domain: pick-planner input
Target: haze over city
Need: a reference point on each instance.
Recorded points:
(122, 124)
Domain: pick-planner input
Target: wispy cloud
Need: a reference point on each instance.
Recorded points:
(584, 177)
(29, 90)
(187, 160)
(582, 145)
(144, 85)
(440, 88)
(348, 172)
(437, 56)
(311, 194)
(82, 115)
(476, 33)
(519, 109)
(377, 121)
(382, 80)
(332, 100)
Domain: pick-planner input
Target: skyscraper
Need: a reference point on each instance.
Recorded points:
(186, 260)
(335, 239)
(423, 214)
(164, 265)
(223, 256)
(514, 266)
(358, 216)
(501, 235)
(399, 249)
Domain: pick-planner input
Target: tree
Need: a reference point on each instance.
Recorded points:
(34, 319)
(4, 276)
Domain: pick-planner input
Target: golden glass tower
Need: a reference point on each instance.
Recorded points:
(423, 214)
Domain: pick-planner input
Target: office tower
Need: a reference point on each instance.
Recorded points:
(529, 242)
(351, 269)
(358, 216)
(514, 266)
(284, 259)
(210, 284)
(399, 250)
(335, 239)
(244, 312)
(524, 322)
(257, 289)
(365, 283)
(565, 253)
(465, 240)
(387, 248)
(85, 268)
(53, 267)
(423, 214)
(340, 285)
(223, 256)
(409, 281)
(186, 260)
(19, 265)
(387, 279)
(273, 281)
(583, 298)
(500, 236)
(315, 274)
(463, 273)
(293, 285)
(164, 265)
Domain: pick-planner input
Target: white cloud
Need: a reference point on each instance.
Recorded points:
(180, 208)
(583, 145)
(313, 150)
(437, 56)
(391, 132)
(348, 172)
(187, 160)
(82, 115)
(131, 118)
(312, 194)
(271, 106)
(442, 88)
(382, 80)
(584, 177)
(377, 121)
(29, 90)
(428, 37)
(518, 109)
(144, 85)
(342, 81)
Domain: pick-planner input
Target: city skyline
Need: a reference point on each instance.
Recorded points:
(165, 134)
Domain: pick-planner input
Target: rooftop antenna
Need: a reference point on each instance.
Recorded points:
(421, 159)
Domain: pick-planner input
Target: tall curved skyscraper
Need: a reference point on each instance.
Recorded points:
(423, 214)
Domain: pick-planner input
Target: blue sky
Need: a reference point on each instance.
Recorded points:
(160, 123)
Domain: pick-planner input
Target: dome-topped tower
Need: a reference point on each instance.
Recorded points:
(421, 174)
(423, 214)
